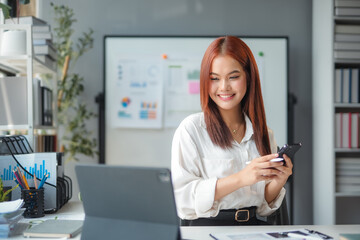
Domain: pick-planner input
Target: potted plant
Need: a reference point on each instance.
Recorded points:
(72, 112)
(4, 194)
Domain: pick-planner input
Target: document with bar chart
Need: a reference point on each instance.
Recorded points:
(38, 163)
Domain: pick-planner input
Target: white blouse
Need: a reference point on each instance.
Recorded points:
(196, 165)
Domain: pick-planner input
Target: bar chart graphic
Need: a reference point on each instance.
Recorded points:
(39, 170)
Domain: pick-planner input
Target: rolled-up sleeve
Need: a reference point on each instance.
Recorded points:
(194, 195)
(266, 208)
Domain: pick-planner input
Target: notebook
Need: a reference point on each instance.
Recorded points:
(122, 202)
(55, 229)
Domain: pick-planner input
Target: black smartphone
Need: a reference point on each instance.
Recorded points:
(289, 150)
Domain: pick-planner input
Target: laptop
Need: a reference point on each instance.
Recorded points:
(122, 202)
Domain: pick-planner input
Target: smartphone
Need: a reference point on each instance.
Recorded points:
(289, 150)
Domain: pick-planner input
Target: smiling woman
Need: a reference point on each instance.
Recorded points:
(213, 185)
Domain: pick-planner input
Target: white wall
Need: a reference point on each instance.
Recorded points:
(206, 17)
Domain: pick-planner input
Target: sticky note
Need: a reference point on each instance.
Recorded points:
(194, 87)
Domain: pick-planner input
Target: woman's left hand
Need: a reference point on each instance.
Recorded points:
(284, 171)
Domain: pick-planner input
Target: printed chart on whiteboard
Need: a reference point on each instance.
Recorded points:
(139, 99)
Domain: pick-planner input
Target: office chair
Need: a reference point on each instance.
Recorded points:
(280, 216)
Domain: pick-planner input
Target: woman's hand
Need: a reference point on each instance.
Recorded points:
(284, 171)
(261, 169)
(273, 189)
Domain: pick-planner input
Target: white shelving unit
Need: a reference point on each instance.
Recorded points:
(28, 66)
(330, 207)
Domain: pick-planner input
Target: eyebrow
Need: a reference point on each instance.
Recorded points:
(235, 71)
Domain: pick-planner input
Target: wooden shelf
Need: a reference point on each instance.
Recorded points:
(18, 64)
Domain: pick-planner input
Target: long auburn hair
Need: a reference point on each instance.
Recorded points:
(252, 103)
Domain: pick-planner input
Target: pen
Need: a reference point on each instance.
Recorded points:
(322, 235)
(26, 183)
(300, 236)
(21, 177)
(43, 181)
(18, 179)
(35, 182)
(18, 183)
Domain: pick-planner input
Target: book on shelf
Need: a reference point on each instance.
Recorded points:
(354, 130)
(42, 35)
(45, 50)
(344, 54)
(338, 85)
(26, 20)
(347, 86)
(37, 101)
(347, 130)
(347, 46)
(347, 3)
(344, 37)
(43, 42)
(338, 134)
(354, 85)
(46, 106)
(346, 188)
(354, 180)
(347, 11)
(45, 143)
(347, 167)
(348, 29)
(342, 161)
(41, 28)
(347, 172)
(47, 61)
(346, 75)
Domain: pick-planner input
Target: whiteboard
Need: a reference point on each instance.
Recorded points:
(152, 83)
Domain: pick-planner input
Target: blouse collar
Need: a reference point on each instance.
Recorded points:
(249, 131)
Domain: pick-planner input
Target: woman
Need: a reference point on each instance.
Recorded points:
(221, 168)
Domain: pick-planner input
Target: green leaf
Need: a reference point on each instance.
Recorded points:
(6, 10)
(7, 192)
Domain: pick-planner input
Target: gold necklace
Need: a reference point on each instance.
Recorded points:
(234, 131)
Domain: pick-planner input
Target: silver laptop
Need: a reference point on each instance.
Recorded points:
(127, 202)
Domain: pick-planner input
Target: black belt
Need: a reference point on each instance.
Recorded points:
(238, 215)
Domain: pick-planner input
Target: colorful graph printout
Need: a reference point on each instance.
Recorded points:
(139, 87)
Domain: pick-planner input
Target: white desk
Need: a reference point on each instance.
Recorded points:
(74, 210)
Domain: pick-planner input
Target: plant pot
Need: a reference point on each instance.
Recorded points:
(13, 42)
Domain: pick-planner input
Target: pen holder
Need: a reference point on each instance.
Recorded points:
(33, 202)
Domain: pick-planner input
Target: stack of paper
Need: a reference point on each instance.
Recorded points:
(10, 214)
